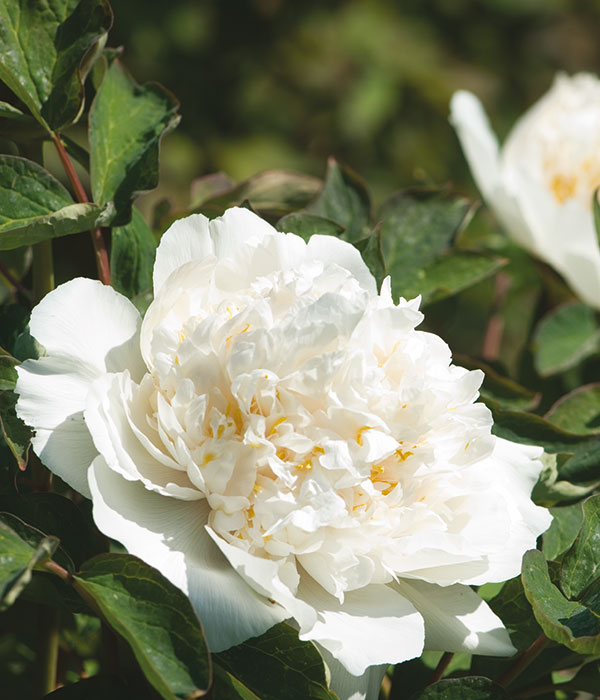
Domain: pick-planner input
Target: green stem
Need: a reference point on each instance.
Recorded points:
(43, 270)
(47, 656)
(522, 661)
(97, 238)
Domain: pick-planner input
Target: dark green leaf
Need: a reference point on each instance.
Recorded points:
(508, 393)
(56, 515)
(272, 192)
(579, 411)
(34, 206)
(45, 50)
(275, 660)
(9, 112)
(584, 465)
(370, 250)
(124, 149)
(451, 273)
(561, 534)
(307, 225)
(17, 262)
(155, 618)
(208, 187)
(16, 434)
(8, 373)
(567, 622)
(513, 608)
(227, 687)
(344, 199)
(470, 688)
(17, 560)
(132, 256)
(34, 536)
(564, 338)
(529, 429)
(550, 489)
(581, 564)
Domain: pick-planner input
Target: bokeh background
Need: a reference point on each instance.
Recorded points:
(283, 83)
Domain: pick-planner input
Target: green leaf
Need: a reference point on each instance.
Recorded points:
(227, 687)
(34, 536)
(127, 122)
(581, 564)
(132, 254)
(34, 206)
(344, 199)
(503, 390)
(56, 515)
(550, 490)
(561, 534)
(16, 434)
(583, 465)
(17, 560)
(469, 688)
(275, 660)
(529, 429)
(564, 338)
(95, 688)
(567, 622)
(155, 618)
(513, 608)
(579, 411)
(45, 51)
(370, 250)
(307, 225)
(271, 192)
(451, 273)
(8, 373)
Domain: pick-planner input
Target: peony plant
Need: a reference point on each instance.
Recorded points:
(279, 441)
(243, 463)
(542, 182)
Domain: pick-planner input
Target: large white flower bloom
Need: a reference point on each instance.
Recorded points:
(278, 440)
(541, 183)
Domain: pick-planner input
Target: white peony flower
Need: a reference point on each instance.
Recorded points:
(278, 440)
(541, 183)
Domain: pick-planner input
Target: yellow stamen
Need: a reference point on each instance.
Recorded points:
(276, 424)
(306, 466)
(402, 456)
(359, 434)
(563, 187)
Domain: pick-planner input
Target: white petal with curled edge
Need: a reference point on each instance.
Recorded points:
(349, 687)
(52, 394)
(477, 139)
(329, 249)
(89, 321)
(169, 534)
(238, 227)
(374, 625)
(184, 241)
(456, 619)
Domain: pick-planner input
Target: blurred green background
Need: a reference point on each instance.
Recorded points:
(283, 84)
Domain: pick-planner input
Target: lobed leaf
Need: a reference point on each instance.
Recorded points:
(45, 52)
(307, 225)
(565, 621)
(566, 522)
(578, 411)
(155, 618)
(564, 338)
(275, 660)
(127, 122)
(581, 564)
(469, 688)
(132, 254)
(370, 250)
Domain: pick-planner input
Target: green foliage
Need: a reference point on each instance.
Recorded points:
(277, 660)
(45, 53)
(16, 434)
(470, 688)
(124, 151)
(154, 617)
(564, 337)
(132, 256)
(578, 411)
(581, 564)
(561, 534)
(512, 607)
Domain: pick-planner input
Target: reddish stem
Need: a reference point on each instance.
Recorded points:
(12, 279)
(440, 669)
(97, 238)
(523, 660)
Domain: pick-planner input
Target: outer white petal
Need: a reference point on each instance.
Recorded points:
(169, 534)
(333, 250)
(86, 320)
(374, 625)
(87, 329)
(456, 619)
(52, 393)
(477, 139)
(236, 228)
(185, 240)
(349, 687)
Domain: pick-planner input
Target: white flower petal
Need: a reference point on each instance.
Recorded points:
(333, 250)
(349, 687)
(52, 394)
(456, 619)
(169, 534)
(90, 322)
(374, 625)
